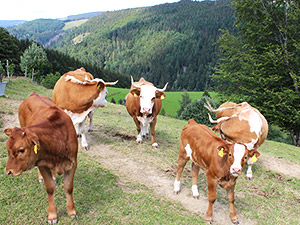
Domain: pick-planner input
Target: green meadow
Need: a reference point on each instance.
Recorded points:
(170, 102)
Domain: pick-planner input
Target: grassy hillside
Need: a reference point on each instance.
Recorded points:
(102, 198)
(169, 42)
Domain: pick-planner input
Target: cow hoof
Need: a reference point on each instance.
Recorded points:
(86, 148)
(196, 196)
(90, 130)
(78, 135)
(139, 141)
(52, 221)
(176, 192)
(249, 178)
(155, 145)
(236, 222)
(74, 217)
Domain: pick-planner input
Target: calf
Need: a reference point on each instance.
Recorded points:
(240, 123)
(48, 142)
(222, 161)
(143, 103)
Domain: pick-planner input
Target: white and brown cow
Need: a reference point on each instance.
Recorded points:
(222, 161)
(49, 141)
(78, 94)
(143, 103)
(240, 123)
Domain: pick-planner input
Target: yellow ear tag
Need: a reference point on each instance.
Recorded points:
(254, 159)
(162, 97)
(135, 95)
(221, 152)
(35, 149)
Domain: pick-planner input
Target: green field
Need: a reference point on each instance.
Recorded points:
(170, 102)
(103, 197)
(75, 23)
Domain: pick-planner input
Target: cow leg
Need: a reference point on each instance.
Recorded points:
(81, 130)
(68, 186)
(50, 188)
(91, 126)
(249, 170)
(152, 132)
(138, 127)
(195, 172)
(212, 195)
(230, 196)
(181, 162)
(41, 179)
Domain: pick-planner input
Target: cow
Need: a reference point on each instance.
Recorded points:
(48, 142)
(143, 103)
(79, 94)
(240, 123)
(222, 161)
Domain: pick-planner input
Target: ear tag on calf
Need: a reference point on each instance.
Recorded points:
(162, 97)
(135, 95)
(221, 152)
(35, 149)
(254, 159)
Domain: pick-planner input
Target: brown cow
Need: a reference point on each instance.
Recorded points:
(50, 143)
(222, 161)
(240, 123)
(143, 103)
(78, 94)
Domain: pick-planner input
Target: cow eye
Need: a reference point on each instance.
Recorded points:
(230, 154)
(21, 151)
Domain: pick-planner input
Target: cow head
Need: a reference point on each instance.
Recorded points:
(237, 155)
(147, 94)
(100, 101)
(22, 146)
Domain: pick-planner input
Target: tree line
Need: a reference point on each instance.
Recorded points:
(47, 65)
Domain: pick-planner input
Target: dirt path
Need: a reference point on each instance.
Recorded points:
(160, 182)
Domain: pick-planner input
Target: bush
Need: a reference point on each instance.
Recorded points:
(113, 101)
(50, 80)
(197, 111)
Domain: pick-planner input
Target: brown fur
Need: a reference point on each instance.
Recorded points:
(205, 146)
(52, 131)
(74, 97)
(133, 107)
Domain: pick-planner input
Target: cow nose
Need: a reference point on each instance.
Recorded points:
(236, 170)
(9, 173)
(146, 110)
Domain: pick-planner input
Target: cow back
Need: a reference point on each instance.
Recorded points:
(74, 97)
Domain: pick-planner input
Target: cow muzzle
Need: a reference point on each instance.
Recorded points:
(146, 110)
(11, 173)
(235, 171)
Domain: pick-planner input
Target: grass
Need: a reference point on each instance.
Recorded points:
(76, 23)
(100, 197)
(170, 103)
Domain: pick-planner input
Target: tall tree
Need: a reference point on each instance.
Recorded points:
(35, 58)
(262, 64)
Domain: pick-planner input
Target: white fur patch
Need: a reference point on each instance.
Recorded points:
(74, 80)
(145, 120)
(188, 150)
(195, 191)
(176, 186)
(146, 96)
(239, 151)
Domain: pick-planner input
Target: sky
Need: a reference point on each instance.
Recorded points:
(54, 9)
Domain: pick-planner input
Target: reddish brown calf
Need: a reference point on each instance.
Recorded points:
(223, 163)
(50, 143)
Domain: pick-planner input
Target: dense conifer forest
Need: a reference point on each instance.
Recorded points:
(172, 43)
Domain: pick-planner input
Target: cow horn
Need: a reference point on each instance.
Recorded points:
(134, 85)
(211, 120)
(111, 83)
(165, 87)
(208, 106)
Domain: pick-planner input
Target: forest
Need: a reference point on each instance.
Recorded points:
(172, 43)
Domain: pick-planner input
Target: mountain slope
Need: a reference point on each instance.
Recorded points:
(172, 43)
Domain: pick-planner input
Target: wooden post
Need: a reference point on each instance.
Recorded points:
(7, 69)
(32, 74)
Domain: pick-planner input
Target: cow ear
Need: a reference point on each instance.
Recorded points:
(135, 92)
(36, 143)
(253, 152)
(8, 131)
(160, 94)
(100, 85)
(222, 150)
